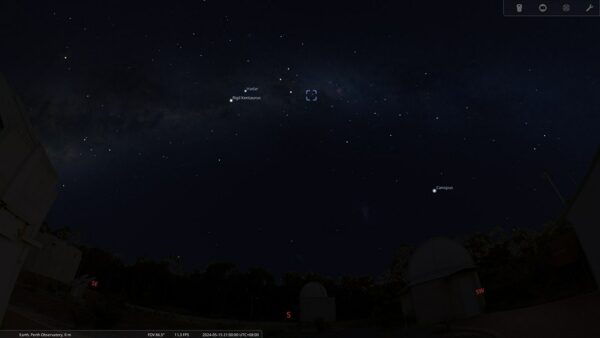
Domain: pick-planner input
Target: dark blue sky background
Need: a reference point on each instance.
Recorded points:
(131, 100)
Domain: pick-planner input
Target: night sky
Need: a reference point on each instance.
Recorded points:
(132, 102)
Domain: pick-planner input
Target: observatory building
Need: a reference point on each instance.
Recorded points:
(56, 259)
(584, 215)
(442, 283)
(315, 305)
(27, 190)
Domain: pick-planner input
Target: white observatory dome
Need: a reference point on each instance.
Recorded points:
(437, 258)
(313, 290)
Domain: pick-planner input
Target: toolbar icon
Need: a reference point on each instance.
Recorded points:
(311, 95)
(519, 8)
(589, 8)
(566, 8)
(543, 8)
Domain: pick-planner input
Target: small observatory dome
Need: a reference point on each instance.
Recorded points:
(437, 258)
(313, 290)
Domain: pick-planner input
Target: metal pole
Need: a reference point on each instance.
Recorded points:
(560, 196)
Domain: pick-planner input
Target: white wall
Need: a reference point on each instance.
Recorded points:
(447, 298)
(466, 302)
(431, 301)
(312, 309)
(56, 259)
(27, 190)
(584, 215)
(12, 256)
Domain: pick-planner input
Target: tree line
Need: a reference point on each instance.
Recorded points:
(517, 267)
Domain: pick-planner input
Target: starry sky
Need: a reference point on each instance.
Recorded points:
(132, 101)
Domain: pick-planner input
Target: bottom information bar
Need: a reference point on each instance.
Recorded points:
(131, 333)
